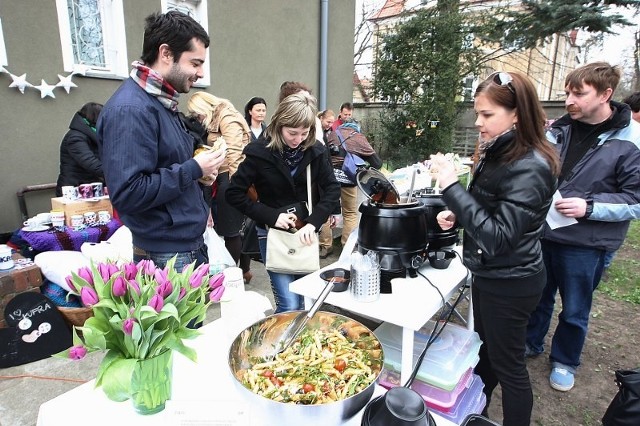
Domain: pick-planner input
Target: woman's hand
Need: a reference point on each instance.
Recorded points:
(446, 219)
(286, 221)
(446, 172)
(307, 234)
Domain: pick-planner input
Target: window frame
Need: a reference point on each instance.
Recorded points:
(114, 41)
(199, 8)
(3, 49)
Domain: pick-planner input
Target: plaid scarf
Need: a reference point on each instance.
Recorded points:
(155, 85)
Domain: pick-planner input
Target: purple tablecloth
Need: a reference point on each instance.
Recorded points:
(69, 239)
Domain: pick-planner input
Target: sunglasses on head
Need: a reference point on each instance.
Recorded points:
(504, 79)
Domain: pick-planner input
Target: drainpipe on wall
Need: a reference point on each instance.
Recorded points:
(324, 31)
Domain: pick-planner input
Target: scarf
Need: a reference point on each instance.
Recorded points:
(484, 146)
(155, 85)
(292, 157)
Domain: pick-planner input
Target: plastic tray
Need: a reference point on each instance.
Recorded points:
(435, 397)
(448, 358)
(471, 401)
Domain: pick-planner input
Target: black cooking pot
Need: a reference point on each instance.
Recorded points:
(396, 230)
(436, 236)
(396, 227)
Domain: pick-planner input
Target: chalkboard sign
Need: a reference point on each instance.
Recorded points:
(35, 330)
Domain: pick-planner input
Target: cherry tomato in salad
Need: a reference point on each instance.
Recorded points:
(340, 364)
(308, 387)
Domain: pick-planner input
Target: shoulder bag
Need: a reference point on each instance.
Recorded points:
(624, 409)
(350, 166)
(286, 254)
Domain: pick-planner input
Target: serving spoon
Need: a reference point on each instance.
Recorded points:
(300, 321)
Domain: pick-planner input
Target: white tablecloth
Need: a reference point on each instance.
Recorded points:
(203, 394)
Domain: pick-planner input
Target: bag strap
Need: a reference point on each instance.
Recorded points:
(309, 200)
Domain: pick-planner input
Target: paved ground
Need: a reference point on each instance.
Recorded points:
(24, 388)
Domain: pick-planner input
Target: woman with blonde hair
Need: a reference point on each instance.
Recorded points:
(276, 165)
(225, 126)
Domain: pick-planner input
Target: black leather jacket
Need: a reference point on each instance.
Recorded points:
(503, 213)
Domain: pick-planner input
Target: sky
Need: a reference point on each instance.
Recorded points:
(617, 48)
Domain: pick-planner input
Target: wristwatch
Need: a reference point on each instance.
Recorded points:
(589, 209)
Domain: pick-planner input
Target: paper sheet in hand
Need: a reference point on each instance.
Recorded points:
(555, 219)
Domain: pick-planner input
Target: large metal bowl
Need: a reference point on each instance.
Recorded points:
(258, 340)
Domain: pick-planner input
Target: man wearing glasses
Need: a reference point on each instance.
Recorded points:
(599, 182)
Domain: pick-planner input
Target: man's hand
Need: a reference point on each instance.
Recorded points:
(210, 161)
(572, 207)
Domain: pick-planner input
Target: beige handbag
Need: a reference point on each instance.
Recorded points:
(286, 254)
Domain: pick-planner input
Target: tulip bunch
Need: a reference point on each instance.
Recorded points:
(140, 310)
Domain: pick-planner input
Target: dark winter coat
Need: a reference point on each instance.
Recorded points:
(608, 175)
(79, 161)
(276, 188)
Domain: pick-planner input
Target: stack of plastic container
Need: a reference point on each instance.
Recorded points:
(445, 378)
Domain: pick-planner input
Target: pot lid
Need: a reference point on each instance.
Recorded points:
(377, 187)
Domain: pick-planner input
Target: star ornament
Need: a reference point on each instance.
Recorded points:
(66, 83)
(45, 89)
(19, 82)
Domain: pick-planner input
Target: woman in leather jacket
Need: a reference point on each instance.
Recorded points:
(503, 213)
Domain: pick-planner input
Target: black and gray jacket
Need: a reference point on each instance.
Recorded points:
(608, 175)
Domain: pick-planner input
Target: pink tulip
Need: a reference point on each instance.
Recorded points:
(106, 270)
(156, 302)
(216, 294)
(195, 280)
(88, 296)
(183, 292)
(86, 274)
(69, 280)
(130, 271)
(164, 289)
(216, 281)
(160, 275)
(119, 286)
(135, 286)
(146, 266)
(77, 352)
(127, 326)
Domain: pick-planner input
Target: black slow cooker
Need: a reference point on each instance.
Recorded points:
(396, 231)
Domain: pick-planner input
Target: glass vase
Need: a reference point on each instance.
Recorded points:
(151, 383)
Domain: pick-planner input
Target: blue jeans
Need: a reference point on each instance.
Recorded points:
(575, 272)
(284, 298)
(183, 258)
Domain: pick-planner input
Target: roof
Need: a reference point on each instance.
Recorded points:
(390, 8)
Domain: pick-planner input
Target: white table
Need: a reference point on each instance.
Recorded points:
(206, 387)
(411, 304)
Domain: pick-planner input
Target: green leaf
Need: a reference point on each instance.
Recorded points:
(115, 376)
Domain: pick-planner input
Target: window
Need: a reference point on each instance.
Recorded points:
(197, 9)
(93, 37)
(3, 50)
